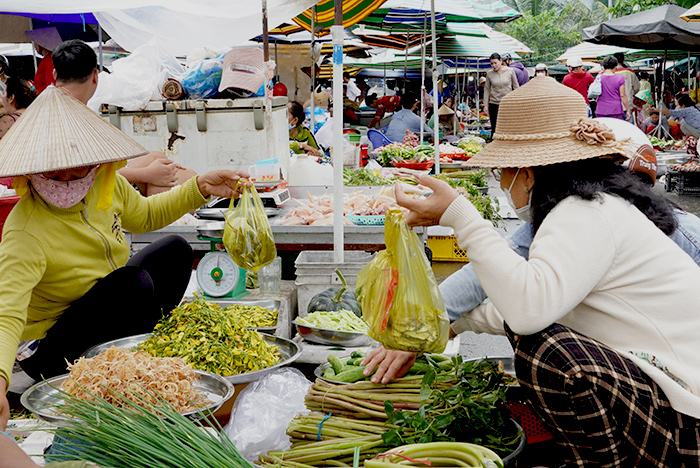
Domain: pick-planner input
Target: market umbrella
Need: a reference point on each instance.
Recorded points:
(693, 14)
(588, 51)
(353, 12)
(660, 28)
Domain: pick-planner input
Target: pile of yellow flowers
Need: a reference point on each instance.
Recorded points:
(211, 339)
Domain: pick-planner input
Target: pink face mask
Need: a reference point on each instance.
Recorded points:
(63, 194)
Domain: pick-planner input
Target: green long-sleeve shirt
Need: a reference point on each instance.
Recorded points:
(49, 256)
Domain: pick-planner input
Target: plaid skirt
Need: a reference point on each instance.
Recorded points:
(602, 409)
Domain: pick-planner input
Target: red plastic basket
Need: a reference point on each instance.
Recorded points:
(417, 166)
(530, 422)
(6, 205)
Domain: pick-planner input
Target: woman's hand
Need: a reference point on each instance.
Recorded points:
(427, 212)
(391, 364)
(222, 183)
(4, 405)
(308, 149)
(161, 172)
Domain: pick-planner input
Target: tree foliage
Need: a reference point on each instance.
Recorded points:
(627, 7)
(551, 31)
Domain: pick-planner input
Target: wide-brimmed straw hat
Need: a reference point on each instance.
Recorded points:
(544, 122)
(48, 38)
(444, 110)
(58, 132)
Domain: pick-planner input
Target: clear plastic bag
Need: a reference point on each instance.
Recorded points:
(399, 294)
(264, 409)
(247, 234)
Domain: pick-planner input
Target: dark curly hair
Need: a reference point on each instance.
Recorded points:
(589, 179)
(23, 91)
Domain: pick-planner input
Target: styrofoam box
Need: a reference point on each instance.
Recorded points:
(315, 272)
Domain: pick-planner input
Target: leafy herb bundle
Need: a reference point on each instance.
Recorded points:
(473, 410)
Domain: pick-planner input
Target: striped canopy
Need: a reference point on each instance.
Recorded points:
(466, 46)
(403, 14)
(354, 11)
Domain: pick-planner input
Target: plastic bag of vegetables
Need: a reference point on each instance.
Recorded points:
(247, 235)
(399, 294)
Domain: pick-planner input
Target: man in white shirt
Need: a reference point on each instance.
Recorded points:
(352, 91)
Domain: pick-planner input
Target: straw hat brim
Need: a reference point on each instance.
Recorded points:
(500, 154)
(59, 132)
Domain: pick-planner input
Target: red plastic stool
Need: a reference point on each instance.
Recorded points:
(530, 422)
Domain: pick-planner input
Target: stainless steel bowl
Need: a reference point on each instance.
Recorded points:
(289, 352)
(212, 229)
(44, 399)
(326, 336)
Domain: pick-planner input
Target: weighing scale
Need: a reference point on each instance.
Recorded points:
(218, 275)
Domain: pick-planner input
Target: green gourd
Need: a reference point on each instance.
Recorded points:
(335, 299)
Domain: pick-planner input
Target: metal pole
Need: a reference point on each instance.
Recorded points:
(338, 227)
(99, 46)
(313, 69)
(422, 78)
(36, 65)
(436, 129)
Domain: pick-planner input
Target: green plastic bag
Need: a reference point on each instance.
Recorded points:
(399, 294)
(248, 235)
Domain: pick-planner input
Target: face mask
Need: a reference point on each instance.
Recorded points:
(63, 194)
(540, 74)
(524, 213)
(290, 126)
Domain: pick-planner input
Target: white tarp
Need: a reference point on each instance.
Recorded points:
(179, 26)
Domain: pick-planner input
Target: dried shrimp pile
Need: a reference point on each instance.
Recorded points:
(136, 375)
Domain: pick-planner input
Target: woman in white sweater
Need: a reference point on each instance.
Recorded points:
(604, 316)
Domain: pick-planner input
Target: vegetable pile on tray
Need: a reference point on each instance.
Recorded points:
(690, 166)
(471, 145)
(400, 152)
(210, 339)
(371, 423)
(341, 320)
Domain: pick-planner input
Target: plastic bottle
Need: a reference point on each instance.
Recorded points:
(307, 172)
(364, 150)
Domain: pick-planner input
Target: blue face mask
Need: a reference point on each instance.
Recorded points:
(290, 126)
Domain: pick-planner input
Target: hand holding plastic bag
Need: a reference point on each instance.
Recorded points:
(248, 235)
(399, 294)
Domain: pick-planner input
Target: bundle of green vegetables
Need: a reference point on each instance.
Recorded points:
(351, 370)
(468, 184)
(140, 435)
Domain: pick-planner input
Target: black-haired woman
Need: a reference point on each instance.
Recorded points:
(613, 101)
(603, 316)
(686, 110)
(500, 80)
(15, 98)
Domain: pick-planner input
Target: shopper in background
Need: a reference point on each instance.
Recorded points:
(632, 85)
(406, 120)
(500, 80)
(578, 79)
(613, 101)
(4, 68)
(519, 68)
(654, 121)
(16, 96)
(540, 69)
(45, 41)
(686, 110)
(644, 84)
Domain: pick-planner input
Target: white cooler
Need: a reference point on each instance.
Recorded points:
(210, 134)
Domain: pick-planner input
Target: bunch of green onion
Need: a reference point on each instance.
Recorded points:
(149, 435)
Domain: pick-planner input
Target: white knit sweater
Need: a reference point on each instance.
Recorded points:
(603, 269)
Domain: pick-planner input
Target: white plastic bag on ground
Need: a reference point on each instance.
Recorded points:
(264, 409)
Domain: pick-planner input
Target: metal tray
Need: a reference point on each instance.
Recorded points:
(289, 352)
(329, 337)
(213, 229)
(321, 368)
(43, 398)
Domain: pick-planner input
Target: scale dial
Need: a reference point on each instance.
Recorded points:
(217, 274)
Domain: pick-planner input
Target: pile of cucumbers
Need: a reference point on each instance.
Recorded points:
(350, 369)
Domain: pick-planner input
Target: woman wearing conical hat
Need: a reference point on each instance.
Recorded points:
(66, 278)
(603, 315)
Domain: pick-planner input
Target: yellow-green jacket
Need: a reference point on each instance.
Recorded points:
(49, 256)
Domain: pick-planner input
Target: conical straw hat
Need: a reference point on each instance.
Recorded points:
(544, 122)
(59, 132)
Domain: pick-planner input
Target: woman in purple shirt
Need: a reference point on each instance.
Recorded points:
(613, 99)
